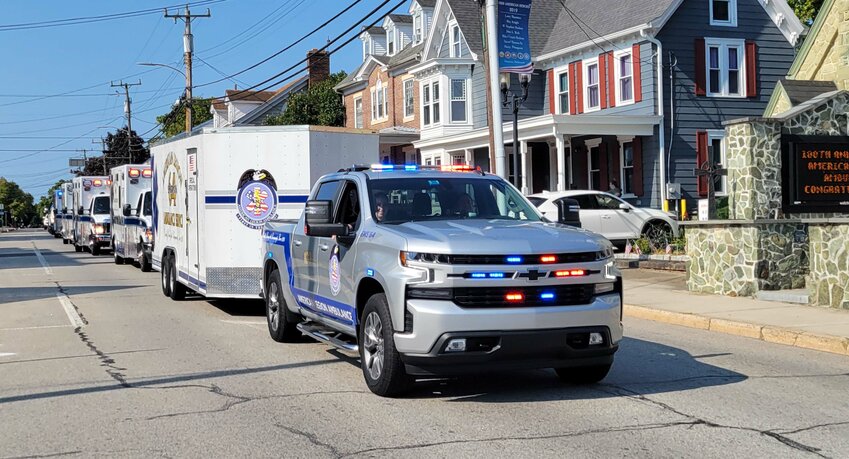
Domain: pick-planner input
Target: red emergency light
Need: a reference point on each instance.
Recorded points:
(513, 297)
(147, 173)
(134, 173)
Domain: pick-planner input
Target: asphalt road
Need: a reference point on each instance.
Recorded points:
(95, 362)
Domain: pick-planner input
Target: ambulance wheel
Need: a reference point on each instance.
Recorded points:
(176, 289)
(282, 323)
(382, 367)
(119, 260)
(94, 249)
(166, 275)
(77, 248)
(144, 263)
(64, 241)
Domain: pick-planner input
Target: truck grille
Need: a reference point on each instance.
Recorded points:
(579, 257)
(497, 297)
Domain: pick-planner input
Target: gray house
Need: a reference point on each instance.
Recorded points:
(623, 90)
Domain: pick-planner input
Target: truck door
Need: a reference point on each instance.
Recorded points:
(334, 262)
(192, 221)
(304, 247)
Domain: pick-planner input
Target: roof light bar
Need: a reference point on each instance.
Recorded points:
(514, 259)
(97, 182)
(416, 167)
(134, 173)
(147, 173)
(546, 296)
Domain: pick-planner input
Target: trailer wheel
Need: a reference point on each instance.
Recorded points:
(176, 289)
(282, 323)
(382, 367)
(166, 275)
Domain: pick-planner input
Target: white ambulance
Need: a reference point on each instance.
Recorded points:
(67, 209)
(91, 214)
(214, 191)
(132, 232)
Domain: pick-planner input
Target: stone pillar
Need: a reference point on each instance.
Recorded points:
(753, 156)
(561, 162)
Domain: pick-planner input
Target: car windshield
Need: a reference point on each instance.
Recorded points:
(146, 208)
(100, 205)
(401, 200)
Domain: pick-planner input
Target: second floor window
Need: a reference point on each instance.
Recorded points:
(358, 113)
(418, 28)
(458, 101)
(456, 49)
(593, 98)
(378, 103)
(430, 103)
(563, 91)
(627, 168)
(390, 42)
(725, 68)
(626, 78)
(408, 98)
(723, 13)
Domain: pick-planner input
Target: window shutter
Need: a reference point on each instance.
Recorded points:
(611, 81)
(573, 99)
(701, 84)
(579, 71)
(603, 168)
(637, 77)
(602, 81)
(551, 91)
(751, 69)
(637, 184)
(701, 158)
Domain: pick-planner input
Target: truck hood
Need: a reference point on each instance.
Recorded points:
(479, 237)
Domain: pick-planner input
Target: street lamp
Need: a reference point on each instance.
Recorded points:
(517, 100)
(187, 94)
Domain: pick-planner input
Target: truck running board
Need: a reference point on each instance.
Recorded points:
(324, 335)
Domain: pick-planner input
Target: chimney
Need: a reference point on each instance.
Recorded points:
(318, 66)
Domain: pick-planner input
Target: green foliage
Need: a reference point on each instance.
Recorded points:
(722, 211)
(18, 205)
(806, 10)
(320, 106)
(121, 148)
(174, 122)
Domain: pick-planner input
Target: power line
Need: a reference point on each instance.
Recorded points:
(48, 149)
(255, 24)
(220, 72)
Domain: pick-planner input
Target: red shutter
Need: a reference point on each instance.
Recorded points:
(637, 184)
(638, 82)
(551, 91)
(604, 173)
(700, 67)
(602, 80)
(611, 81)
(579, 71)
(751, 69)
(701, 158)
(573, 100)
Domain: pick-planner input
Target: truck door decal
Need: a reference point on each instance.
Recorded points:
(334, 273)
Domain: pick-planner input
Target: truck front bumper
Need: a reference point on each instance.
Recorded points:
(509, 338)
(101, 240)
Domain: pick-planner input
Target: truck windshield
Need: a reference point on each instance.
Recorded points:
(100, 206)
(146, 207)
(401, 200)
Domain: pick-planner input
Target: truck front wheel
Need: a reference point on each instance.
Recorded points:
(282, 323)
(382, 367)
(583, 375)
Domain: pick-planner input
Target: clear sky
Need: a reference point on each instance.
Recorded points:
(85, 58)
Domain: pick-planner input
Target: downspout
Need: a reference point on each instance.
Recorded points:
(662, 130)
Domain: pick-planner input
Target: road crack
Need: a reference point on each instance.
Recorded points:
(114, 371)
(313, 439)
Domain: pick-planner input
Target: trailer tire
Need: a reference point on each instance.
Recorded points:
(166, 275)
(177, 290)
(282, 323)
(119, 260)
(381, 363)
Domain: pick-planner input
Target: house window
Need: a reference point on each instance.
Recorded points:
(593, 98)
(594, 169)
(408, 98)
(373, 104)
(716, 155)
(418, 28)
(430, 103)
(723, 13)
(458, 159)
(378, 102)
(625, 75)
(428, 162)
(563, 91)
(390, 42)
(725, 68)
(627, 168)
(358, 113)
(456, 50)
(458, 101)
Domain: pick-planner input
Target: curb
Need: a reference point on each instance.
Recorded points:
(771, 334)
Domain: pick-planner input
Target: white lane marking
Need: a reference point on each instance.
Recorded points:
(35, 328)
(47, 269)
(7, 354)
(73, 315)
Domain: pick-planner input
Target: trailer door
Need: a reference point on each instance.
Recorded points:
(192, 222)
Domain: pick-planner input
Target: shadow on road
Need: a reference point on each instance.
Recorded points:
(17, 294)
(240, 307)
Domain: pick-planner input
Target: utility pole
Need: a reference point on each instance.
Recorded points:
(188, 48)
(127, 102)
(496, 132)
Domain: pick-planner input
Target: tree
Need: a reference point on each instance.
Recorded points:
(319, 105)
(806, 10)
(46, 201)
(174, 122)
(121, 148)
(18, 205)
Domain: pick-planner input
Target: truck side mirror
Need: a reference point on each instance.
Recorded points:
(569, 212)
(318, 220)
(82, 210)
(126, 210)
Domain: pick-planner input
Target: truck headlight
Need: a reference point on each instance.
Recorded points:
(98, 229)
(148, 235)
(422, 257)
(606, 287)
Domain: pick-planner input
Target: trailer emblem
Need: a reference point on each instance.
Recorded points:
(333, 271)
(256, 199)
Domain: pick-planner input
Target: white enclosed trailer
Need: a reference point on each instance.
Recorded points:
(91, 213)
(214, 191)
(130, 222)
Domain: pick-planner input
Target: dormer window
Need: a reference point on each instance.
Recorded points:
(366, 48)
(456, 48)
(390, 42)
(418, 28)
(723, 13)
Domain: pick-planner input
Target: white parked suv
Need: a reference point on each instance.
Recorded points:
(610, 216)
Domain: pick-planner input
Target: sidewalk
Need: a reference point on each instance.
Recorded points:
(662, 296)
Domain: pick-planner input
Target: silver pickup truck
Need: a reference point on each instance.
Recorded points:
(434, 272)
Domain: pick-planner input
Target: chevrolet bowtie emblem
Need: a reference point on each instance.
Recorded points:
(533, 274)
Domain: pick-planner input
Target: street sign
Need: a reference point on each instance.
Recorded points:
(514, 46)
(76, 162)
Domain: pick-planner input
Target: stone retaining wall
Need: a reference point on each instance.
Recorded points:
(828, 282)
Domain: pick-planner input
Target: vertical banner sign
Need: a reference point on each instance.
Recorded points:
(514, 46)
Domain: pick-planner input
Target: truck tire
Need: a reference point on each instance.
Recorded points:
(177, 290)
(583, 375)
(119, 260)
(64, 241)
(166, 275)
(282, 323)
(144, 263)
(77, 248)
(94, 249)
(382, 367)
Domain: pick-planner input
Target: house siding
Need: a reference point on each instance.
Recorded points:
(478, 91)
(694, 113)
